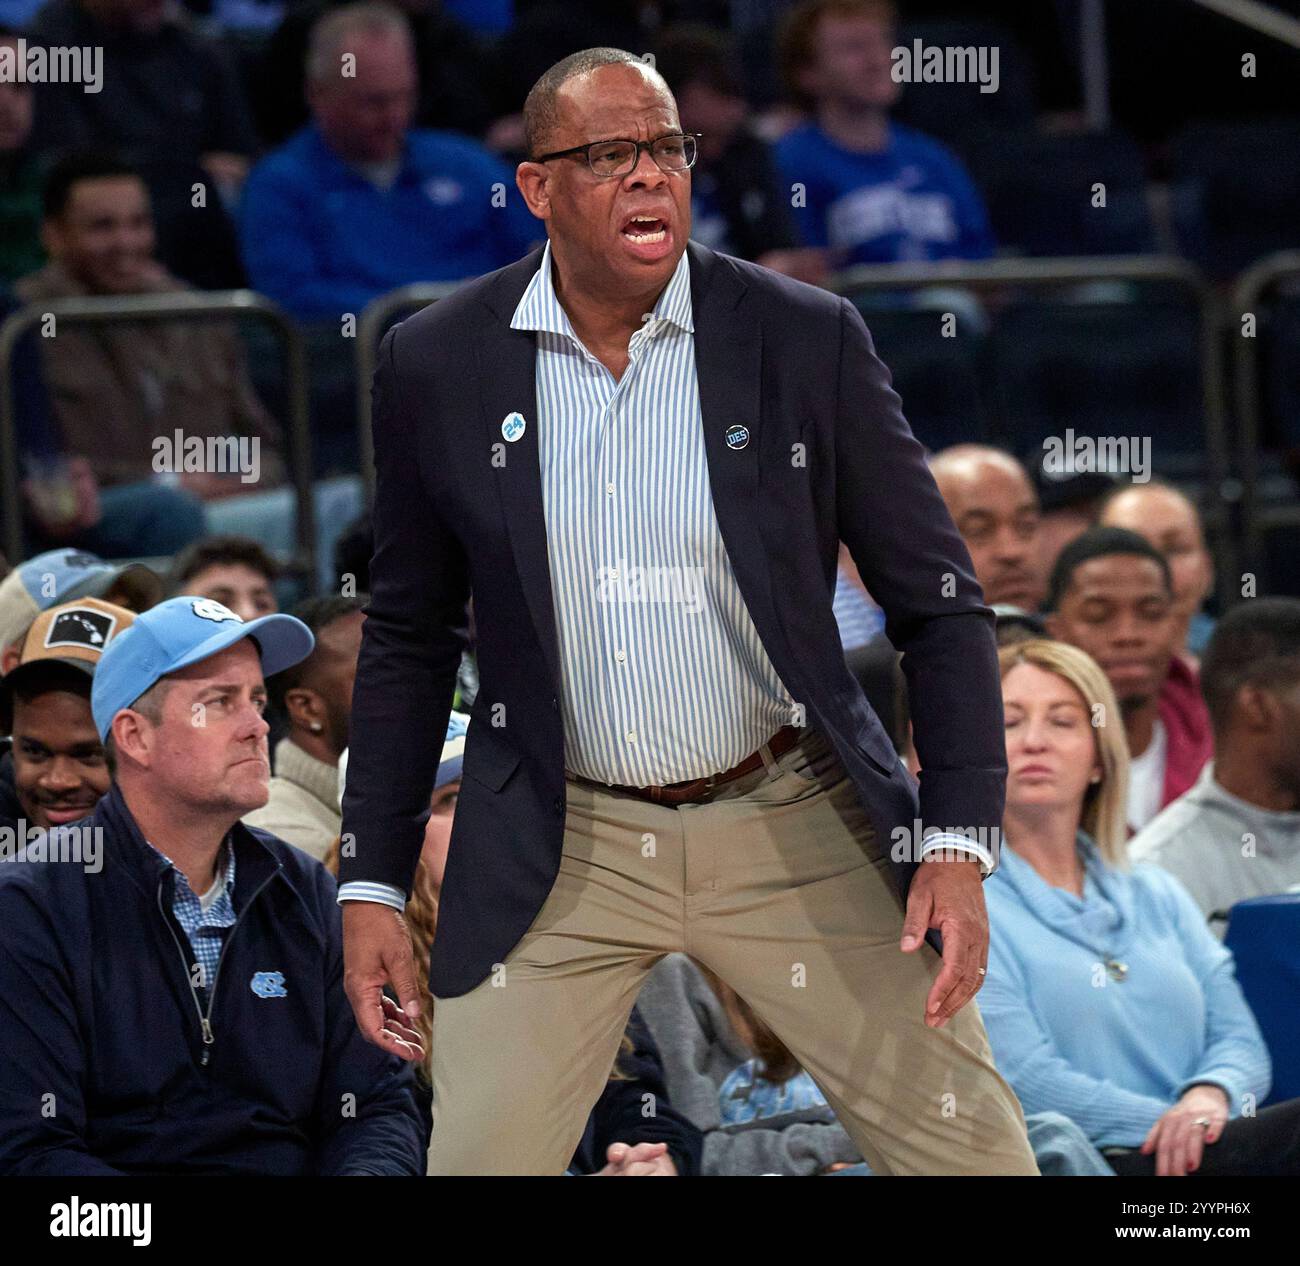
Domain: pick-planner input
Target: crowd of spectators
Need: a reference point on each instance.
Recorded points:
(324, 154)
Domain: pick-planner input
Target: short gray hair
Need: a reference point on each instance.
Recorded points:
(541, 110)
(325, 47)
(149, 705)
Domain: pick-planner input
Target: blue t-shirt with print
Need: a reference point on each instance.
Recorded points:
(911, 201)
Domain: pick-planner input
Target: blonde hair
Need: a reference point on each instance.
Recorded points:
(1103, 815)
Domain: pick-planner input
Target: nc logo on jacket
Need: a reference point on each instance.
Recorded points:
(268, 984)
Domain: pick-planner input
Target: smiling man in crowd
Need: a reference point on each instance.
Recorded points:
(60, 769)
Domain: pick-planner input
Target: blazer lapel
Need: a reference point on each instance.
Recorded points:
(729, 365)
(728, 361)
(507, 377)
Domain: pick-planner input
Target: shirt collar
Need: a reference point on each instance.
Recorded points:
(540, 309)
(225, 861)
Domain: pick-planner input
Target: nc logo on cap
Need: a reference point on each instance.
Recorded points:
(737, 436)
(211, 609)
(513, 426)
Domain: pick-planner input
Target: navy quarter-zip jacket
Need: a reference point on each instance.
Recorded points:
(111, 1062)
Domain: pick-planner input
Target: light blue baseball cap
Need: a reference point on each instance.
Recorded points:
(180, 632)
(62, 575)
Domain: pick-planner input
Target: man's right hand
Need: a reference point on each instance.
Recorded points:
(377, 952)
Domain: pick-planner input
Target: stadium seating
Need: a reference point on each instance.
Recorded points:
(1264, 936)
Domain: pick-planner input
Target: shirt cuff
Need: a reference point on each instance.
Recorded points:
(945, 841)
(362, 890)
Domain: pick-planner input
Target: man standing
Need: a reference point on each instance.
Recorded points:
(642, 455)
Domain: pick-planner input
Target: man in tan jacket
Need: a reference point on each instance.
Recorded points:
(117, 390)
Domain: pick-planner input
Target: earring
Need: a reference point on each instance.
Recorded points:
(1095, 778)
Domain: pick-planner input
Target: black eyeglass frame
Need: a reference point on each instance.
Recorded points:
(625, 140)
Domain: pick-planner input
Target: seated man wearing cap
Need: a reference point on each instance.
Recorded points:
(59, 767)
(205, 957)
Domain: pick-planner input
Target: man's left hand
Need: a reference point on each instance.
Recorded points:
(948, 895)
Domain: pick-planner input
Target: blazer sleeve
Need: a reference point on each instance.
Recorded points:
(915, 565)
(411, 646)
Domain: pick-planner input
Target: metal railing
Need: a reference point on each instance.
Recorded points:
(1223, 459)
(374, 318)
(997, 274)
(180, 306)
(1250, 288)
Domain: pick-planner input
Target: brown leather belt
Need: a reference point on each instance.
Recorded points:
(700, 790)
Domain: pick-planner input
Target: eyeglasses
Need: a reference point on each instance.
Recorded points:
(617, 158)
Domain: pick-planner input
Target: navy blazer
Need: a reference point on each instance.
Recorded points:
(830, 457)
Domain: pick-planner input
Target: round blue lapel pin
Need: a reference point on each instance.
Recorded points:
(737, 436)
(513, 427)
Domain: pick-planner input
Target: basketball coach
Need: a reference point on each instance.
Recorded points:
(641, 456)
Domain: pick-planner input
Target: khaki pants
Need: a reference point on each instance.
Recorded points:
(780, 887)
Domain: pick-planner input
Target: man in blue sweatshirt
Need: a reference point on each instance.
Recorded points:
(171, 981)
(358, 203)
(863, 187)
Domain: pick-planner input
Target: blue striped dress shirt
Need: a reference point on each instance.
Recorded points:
(664, 675)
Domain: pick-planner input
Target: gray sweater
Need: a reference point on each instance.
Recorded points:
(1222, 849)
(750, 1126)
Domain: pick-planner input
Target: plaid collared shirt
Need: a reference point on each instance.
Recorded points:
(205, 928)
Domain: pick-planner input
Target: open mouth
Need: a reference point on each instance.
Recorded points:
(645, 229)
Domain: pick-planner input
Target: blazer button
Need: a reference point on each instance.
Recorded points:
(555, 703)
(559, 805)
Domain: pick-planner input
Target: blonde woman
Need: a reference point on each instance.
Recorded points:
(1107, 997)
